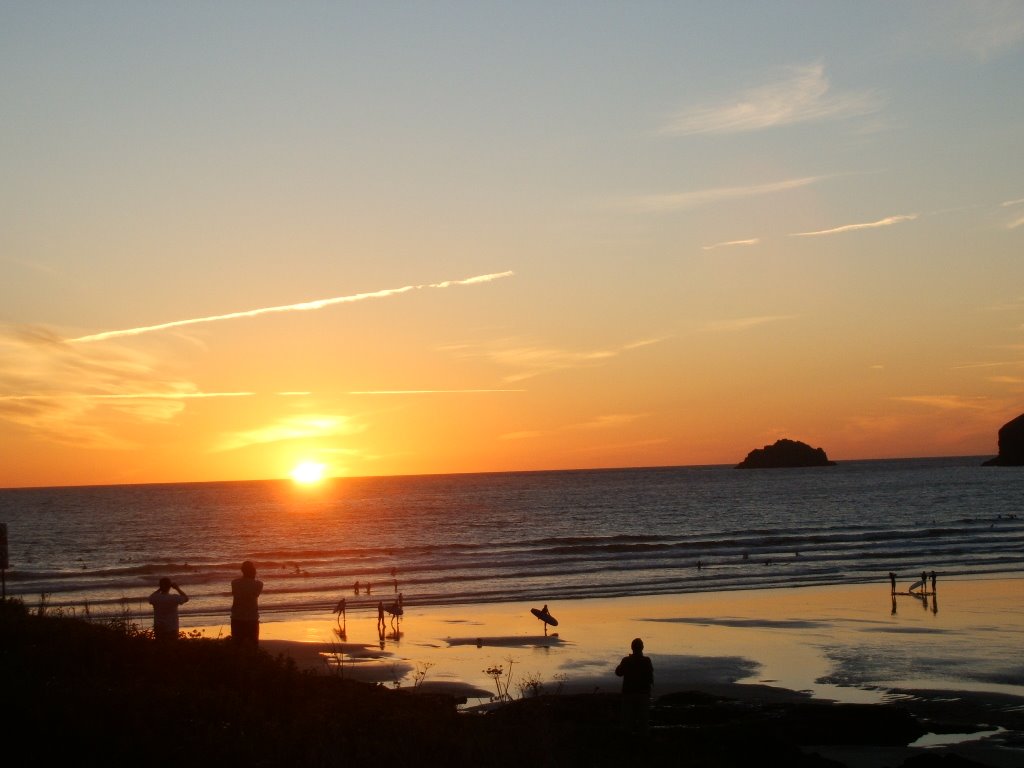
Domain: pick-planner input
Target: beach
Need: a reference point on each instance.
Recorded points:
(846, 644)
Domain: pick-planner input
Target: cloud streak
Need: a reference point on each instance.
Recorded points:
(743, 323)
(945, 402)
(684, 200)
(429, 391)
(305, 306)
(804, 95)
(533, 360)
(886, 222)
(292, 428)
(729, 243)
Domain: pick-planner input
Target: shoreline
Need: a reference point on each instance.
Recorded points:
(844, 643)
(952, 661)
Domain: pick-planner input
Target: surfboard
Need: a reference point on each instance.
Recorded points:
(544, 616)
(915, 585)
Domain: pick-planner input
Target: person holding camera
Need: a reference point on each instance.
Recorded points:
(165, 609)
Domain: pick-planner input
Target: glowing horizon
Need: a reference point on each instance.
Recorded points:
(764, 224)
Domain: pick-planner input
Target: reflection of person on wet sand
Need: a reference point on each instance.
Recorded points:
(342, 618)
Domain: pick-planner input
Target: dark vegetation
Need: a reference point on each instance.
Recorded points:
(108, 694)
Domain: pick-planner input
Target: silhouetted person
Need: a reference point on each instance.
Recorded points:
(932, 575)
(165, 609)
(355, 588)
(245, 613)
(380, 614)
(637, 675)
(924, 581)
(892, 580)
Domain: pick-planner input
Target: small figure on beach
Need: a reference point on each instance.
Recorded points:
(637, 673)
(892, 580)
(699, 565)
(380, 614)
(340, 610)
(245, 613)
(545, 616)
(924, 581)
(932, 576)
(355, 588)
(367, 587)
(165, 609)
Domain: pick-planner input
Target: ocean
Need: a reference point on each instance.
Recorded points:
(534, 537)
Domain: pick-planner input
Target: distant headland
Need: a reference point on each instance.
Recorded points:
(1011, 445)
(785, 453)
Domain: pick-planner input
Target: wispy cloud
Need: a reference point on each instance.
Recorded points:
(803, 95)
(886, 222)
(66, 393)
(531, 360)
(744, 323)
(1015, 223)
(1009, 203)
(946, 402)
(292, 428)
(429, 391)
(305, 306)
(981, 27)
(684, 200)
(606, 421)
(729, 243)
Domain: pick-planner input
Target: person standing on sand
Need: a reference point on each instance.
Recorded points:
(637, 673)
(892, 580)
(245, 613)
(165, 609)
(932, 575)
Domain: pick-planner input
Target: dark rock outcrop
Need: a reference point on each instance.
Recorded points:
(1011, 445)
(785, 453)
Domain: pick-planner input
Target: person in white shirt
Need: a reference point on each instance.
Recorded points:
(165, 609)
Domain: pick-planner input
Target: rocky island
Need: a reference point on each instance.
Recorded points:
(785, 453)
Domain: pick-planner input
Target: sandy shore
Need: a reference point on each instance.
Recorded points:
(846, 644)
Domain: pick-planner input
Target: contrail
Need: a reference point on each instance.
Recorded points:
(301, 307)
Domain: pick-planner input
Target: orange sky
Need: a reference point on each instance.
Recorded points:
(398, 240)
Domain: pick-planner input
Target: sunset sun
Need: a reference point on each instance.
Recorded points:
(308, 473)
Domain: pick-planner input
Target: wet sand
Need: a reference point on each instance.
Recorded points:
(840, 643)
(844, 644)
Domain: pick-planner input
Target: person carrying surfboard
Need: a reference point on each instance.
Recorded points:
(637, 673)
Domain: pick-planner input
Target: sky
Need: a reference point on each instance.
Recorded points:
(414, 238)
